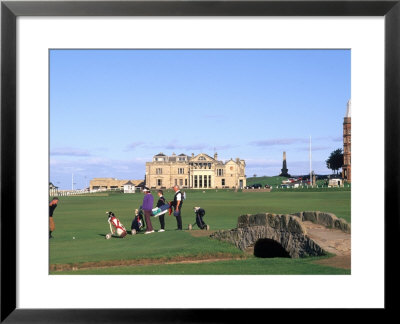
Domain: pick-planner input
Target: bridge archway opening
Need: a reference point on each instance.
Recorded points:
(267, 248)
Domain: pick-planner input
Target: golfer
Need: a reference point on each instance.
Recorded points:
(177, 204)
(147, 206)
(52, 207)
(161, 202)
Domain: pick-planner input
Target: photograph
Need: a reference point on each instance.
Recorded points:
(201, 153)
(199, 161)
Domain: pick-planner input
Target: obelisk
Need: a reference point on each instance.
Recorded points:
(284, 167)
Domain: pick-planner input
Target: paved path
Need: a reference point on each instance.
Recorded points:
(333, 241)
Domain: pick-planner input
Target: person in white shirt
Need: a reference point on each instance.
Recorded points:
(178, 204)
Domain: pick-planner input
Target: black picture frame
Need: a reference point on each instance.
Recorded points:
(10, 10)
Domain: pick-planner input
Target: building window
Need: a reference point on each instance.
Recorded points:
(205, 181)
(159, 182)
(181, 170)
(209, 181)
(200, 181)
(186, 182)
(176, 182)
(202, 158)
(159, 171)
(220, 172)
(223, 182)
(195, 181)
(181, 182)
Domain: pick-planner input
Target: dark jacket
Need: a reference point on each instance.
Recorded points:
(175, 202)
(161, 202)
(51, 209)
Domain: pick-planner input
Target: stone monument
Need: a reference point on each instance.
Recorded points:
(284, 169)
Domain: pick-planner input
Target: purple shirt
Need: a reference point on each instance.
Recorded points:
(148, 202)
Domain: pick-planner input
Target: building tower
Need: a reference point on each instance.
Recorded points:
(347, 144)
(284, 167)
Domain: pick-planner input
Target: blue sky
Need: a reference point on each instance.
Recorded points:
(112, 110)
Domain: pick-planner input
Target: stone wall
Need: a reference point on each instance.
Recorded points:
(288, 230)
(328, 220)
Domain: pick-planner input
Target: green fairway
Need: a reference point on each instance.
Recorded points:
(254, 266)
(81, 225)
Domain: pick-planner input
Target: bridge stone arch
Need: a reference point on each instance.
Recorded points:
(287, 230)
(267, 248)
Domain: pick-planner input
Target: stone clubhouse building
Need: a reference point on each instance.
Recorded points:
(196, 172)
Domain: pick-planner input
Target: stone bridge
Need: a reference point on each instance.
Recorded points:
(289, 231)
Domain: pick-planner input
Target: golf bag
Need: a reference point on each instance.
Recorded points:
(116, 227)
(199, 218)
(160, 210)
(138, 222)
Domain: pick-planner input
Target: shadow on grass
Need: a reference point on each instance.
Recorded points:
(113, 236)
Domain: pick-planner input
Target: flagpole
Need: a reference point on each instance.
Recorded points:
(310, 164)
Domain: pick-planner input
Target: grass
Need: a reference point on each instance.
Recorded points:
(272, 181)
(313, 189)
(251, 266)
(81, 224)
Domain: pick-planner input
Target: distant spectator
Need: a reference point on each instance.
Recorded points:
(52, 207)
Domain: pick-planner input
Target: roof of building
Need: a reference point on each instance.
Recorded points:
(113, 181)
(129, 183)
(175, 158)
(51, 185)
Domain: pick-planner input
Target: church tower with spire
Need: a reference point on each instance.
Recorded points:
(347, 144)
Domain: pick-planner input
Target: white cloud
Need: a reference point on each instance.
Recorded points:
(279, 141)
(68, 151)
